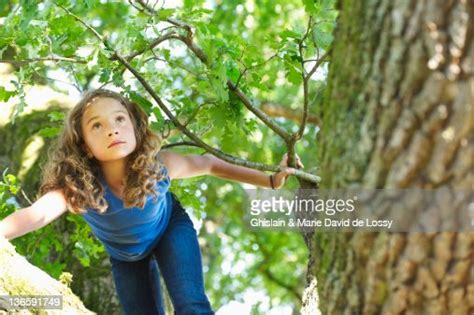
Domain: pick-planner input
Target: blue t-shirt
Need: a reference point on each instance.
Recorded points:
(129, 234)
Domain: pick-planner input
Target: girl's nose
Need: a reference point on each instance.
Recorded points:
(111, 133)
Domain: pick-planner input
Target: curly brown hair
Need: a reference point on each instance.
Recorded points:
(70, 169)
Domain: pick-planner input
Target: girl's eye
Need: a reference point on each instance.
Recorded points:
(96, 125)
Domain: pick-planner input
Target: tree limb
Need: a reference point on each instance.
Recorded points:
(224, 156)
(182, 143)
(152, 45)
(275, 110)
(52, 58)
(188, 41)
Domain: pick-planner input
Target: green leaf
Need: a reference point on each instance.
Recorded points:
(218, 81)
(142, 101)
(49, 132)
(157, 113)
(163, 14)
(104, 75)
(117, 78)
(293, 75)
(232, 70)
(322, 39)
(289, 34)
(56, 116)
(59, 26)
(5, 95)
(310, 6)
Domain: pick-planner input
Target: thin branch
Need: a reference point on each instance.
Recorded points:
(152, 45)
(76, 79)
(78, 88)
(188, 41)
(25, 196)
(172, 64)
(137, 8)
(307, 29)
(276, 110)
(263, 267)
(31, 60)
(146, 7)
(192, 136)
(299, 134)
(289, 139)
(224, 156)
(194, 114)
(253, 67)
(181, 143)
(301, 45)
(96, 34)
(267, 120)
(318, 63)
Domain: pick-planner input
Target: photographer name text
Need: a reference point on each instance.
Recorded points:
(263, 222)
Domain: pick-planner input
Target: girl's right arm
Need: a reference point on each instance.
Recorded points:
(43, 211)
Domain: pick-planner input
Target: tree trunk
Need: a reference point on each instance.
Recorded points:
(397, 114)
(20, 278)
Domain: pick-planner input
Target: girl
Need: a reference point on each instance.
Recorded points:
(108, 167)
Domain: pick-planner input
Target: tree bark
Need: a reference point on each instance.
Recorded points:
(398, 113)
(19, 278)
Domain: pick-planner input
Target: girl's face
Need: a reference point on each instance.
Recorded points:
(108, 130)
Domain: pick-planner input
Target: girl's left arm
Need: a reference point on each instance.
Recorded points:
(185, 166)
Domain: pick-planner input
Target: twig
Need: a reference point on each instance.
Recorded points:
(306, 77)
(85, 24)
(26, 197)
(181, 143)
(30, 60)
(152, 45)
(172, 63)
(253, 67)
(224, 156)
(57, 80)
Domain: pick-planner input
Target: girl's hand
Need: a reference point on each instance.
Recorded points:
(279, 178)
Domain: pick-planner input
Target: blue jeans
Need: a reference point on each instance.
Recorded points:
(179, 260)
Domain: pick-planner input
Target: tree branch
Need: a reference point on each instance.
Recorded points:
(299, 133)
(290, 139)
(306, 79)
(188, 41)
(182, 143)
(263, 267)
(52, 58)
(152, 45)
(275, 110)
(223, 156)
(96, 34)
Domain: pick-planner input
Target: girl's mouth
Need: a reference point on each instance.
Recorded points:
(116, 143)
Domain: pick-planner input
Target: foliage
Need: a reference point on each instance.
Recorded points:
(264, 47)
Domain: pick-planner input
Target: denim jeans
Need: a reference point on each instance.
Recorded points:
(179, 261)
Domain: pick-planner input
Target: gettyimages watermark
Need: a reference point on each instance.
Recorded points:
(390, 210)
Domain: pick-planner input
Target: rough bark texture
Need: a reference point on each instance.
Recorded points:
(398, 114)
(19, 277)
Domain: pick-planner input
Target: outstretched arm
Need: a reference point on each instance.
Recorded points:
(184, 166)
(46, 209)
